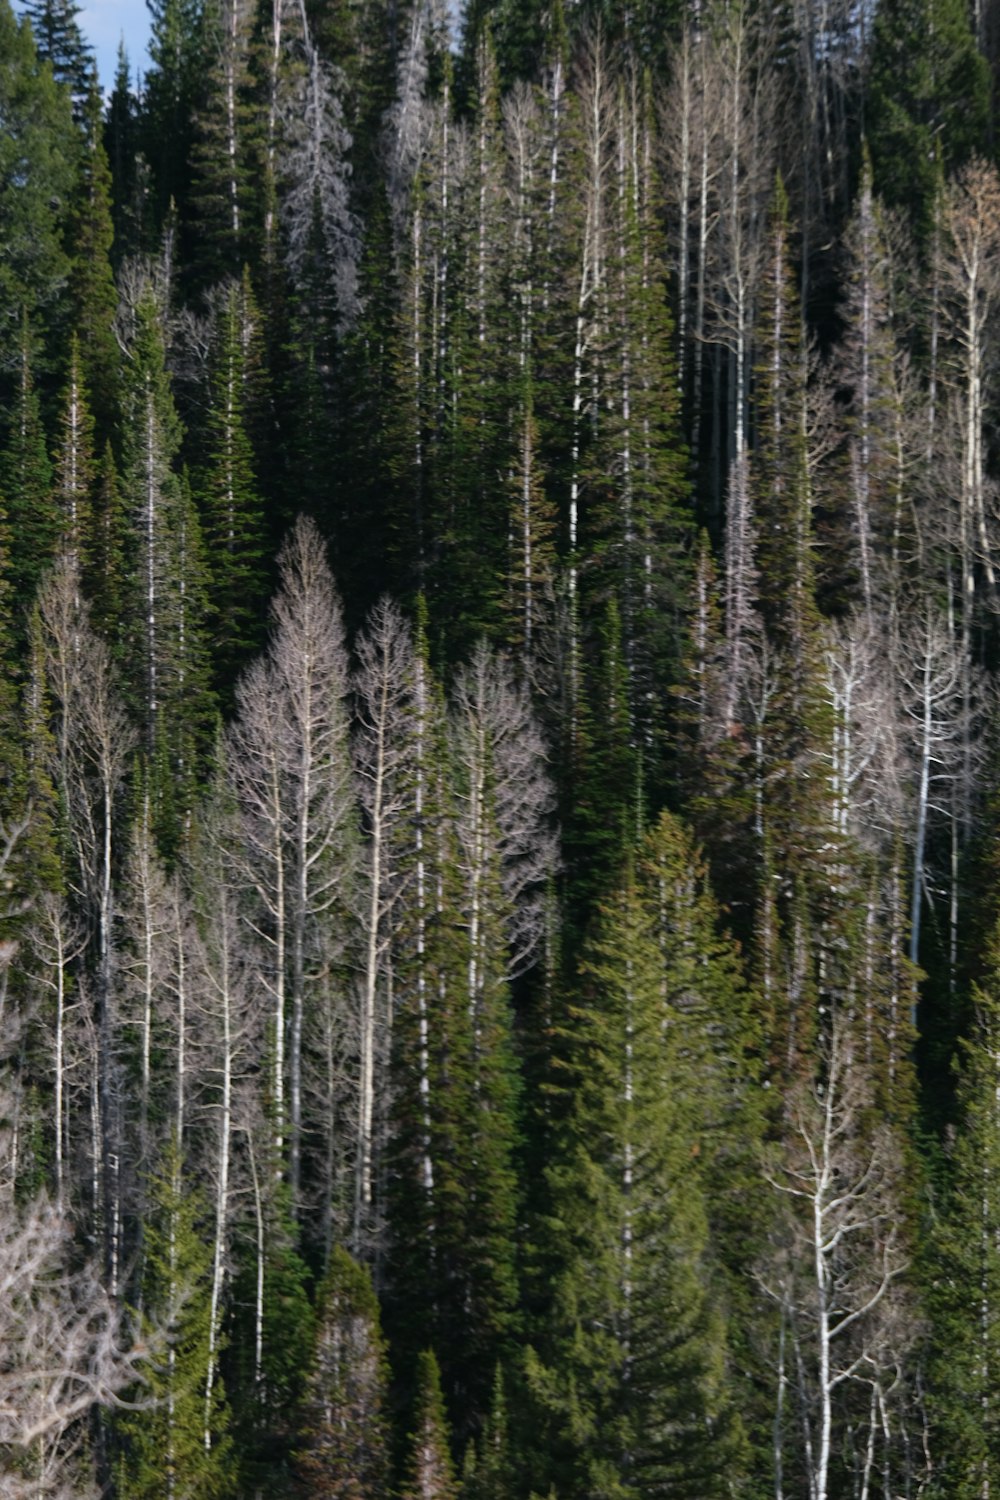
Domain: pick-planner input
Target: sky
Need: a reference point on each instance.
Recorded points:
(104, 23)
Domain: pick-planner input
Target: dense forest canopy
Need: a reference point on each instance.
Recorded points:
(499, 793)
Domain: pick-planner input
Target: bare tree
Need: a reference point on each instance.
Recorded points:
(384, 689)
(63, 1346)
(293, 779)
(504, 801)
(314, 171)
(939, 714)
(226, 1045)
(836, 1275)
(92, 740)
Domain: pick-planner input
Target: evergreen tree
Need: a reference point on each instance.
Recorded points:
(37, 159)
(429, 1473)
(224, 155)
(928, 101)
(343, 1451)
(631, 1379)
(128, 167)
(75, 468)
(229, 502)
(164, 601)
(171, 95)
(26, 484)
(964, 1265)
(92, 293)
(180, 1444)
(60, 42)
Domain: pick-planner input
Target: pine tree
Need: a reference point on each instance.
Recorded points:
(165, 581)
(60, 42)
(343, 1452)
(171, 96)
(224, 155)
(928, 102)
(128, 168)
(75, 468)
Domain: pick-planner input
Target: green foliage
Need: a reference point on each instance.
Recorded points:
(37, 157)
(26, 484)
(228, 499)
(928, 102)
(630, 1374)
(342, 1444)
(429, 1472)
(60, 43)
(92, 294)
(965, 1267)
(180, 1437)
(453, 1187)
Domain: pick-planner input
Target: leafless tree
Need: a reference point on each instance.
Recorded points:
(63, 1345)
(937, 688)
(91, 742)
(313, 169)
(504, 800)
(293, 780)
(384, 693)
(837, 1270)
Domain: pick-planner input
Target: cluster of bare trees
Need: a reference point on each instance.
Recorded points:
(240, 1004)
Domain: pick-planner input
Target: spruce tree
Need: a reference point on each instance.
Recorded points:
(164, 602)
(964, 1265)
(928, 101)
(630, 1376)
(343, 1453)
(37, 159)
(429, 1472)
(180, 1444)
(60, 42)
(229, 502)
(92, 292)
(75, 468)
(26, 484)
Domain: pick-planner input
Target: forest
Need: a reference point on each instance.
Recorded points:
(499, 755)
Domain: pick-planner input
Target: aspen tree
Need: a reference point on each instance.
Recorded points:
(292, 776)
(837, 1271)
(384, 691)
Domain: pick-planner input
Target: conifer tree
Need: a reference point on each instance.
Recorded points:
(92, 292)
(343, 1451)
(429, 1473)
(631, 1378)
(129, 170)
(928, 105)
(965, 1266)
(229, 502)
(60, 42)
(26, 485)
(171, 95)
(165, 580)
(223, 155)
(37, 158)
(75, 468)
(164, 1447)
